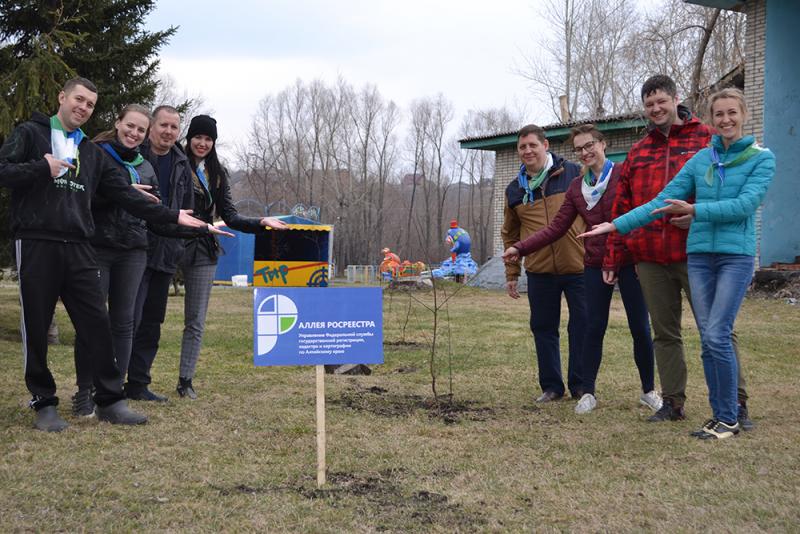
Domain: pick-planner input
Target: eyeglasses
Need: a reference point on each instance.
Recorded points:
(587, 147)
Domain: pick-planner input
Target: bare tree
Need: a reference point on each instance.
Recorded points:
(601, 51)
(337, 147)
(439, 183)
(477, 168)
(417, 143)
(694, 45)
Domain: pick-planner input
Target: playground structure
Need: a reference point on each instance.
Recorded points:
(460, 263)
(298, 256)
(392, 269)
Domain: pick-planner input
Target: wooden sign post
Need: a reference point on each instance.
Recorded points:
(309, 326)
(321, 438)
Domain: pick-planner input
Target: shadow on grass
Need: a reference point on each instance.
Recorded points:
(381, 402)
(380, 497)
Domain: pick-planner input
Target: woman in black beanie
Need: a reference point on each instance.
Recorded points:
(212, 197)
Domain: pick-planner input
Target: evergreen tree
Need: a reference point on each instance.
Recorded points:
(43, 43)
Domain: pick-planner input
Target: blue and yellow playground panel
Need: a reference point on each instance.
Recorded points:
(297, 257)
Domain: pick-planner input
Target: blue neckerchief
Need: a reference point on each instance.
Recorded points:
(593, 180)
(716, 163)
(593, 188)
(77, 136)
(538, 180)
(59, 141)
(129, 165)
(204, 182)
(522, 178)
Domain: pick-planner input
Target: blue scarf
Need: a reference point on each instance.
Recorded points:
(201, 176)
(538, 180)
(129, 165)
(594, 187)
(716, 163)
(65, 144)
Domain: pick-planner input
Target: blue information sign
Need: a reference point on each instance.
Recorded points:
(313, 326)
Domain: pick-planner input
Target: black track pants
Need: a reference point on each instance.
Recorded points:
(49, 270)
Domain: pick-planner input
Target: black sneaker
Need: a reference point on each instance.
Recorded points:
(667, 413)
(48, 420)
(702, 430)
(744, 419)
(720, 430)
(120, 414)
(185, 388)
(83, 403)
(144, 394)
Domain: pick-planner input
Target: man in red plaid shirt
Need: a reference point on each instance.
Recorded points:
(673, 137)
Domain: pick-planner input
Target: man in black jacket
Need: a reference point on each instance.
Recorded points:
(163, 253)
(53, 172)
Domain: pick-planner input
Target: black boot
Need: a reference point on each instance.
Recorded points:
(185, 388)
(48, 420)
(120, 414)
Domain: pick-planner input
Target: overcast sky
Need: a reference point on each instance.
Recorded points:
(234, 53)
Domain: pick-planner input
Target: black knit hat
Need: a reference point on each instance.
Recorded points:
(203, 125)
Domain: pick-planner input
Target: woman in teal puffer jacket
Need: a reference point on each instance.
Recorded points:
(728, 181)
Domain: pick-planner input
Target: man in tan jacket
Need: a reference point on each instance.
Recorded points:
(532, 199)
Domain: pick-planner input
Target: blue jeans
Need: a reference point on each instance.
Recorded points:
(719, 283)
(598, 301)
(544, 298)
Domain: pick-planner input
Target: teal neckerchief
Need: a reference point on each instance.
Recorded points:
(129, 165)
(752, 150)
(530, 185)
(593, 188)
(65, 144)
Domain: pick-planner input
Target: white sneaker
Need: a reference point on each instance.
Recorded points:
(651, 399)
(586, 404)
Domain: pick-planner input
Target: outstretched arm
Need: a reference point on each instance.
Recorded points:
(274, 223)
(114, 185)
(600, 229)
(554, 231)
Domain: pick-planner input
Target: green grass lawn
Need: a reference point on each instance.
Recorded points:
(242, 457)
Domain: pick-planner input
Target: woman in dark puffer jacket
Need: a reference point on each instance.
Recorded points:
(592, 198)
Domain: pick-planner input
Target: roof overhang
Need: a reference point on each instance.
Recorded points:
(558, 133)
(731, 5)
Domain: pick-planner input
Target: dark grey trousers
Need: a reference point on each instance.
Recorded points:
(197, 280)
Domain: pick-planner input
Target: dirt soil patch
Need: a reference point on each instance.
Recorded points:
(381, 497)
(380, 401)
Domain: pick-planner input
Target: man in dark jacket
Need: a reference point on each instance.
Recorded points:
(659, 248)
(163, 253)
(53, 172)
(532, 200)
